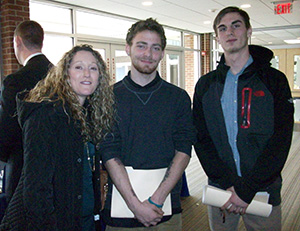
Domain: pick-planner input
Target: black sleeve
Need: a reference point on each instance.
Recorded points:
(10, 132)
(39, 167)
(184, 134)
(110, 146)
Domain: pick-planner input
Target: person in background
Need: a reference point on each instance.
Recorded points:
(156, 131)
(28, 44)
(64, 119)
(243, 112)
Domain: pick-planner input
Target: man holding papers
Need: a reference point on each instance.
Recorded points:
(156, 133)
(243, 112)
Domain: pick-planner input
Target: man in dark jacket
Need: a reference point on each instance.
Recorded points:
(28, 43)
(243, 112)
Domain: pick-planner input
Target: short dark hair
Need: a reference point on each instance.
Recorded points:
(148, 24)
(232, 9)
(31, 33)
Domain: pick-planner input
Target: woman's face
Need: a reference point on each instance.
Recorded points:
(83, 74)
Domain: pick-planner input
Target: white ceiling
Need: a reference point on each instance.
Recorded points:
(268, 29)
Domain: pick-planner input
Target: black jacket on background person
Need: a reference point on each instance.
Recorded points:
(11, 150)
(49, 194)
(265, 128)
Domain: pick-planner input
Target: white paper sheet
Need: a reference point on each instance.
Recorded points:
(144, 183)
(218, 197)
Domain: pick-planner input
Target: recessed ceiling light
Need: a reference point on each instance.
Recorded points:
(147, 3)
(212, 10)
(269, 42)
(292, 41)
(207, 22)
(245, 6)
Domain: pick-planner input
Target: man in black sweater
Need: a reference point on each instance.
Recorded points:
(28, 43)
(156, 131)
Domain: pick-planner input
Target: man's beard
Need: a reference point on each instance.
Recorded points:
(145, 70)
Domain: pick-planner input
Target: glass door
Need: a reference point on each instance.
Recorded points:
(121, 63)
(173, 61)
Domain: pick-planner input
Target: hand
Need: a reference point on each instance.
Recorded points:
(235, 204)
(148, 214)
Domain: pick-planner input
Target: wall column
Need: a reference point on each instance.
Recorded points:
(206, 53)
(12, 12)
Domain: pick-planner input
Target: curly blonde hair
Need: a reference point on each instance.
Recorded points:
(97, 118)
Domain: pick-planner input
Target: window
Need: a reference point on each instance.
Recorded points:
(275, 62)
(58, 30)
(297, 110)
(55, 46)
(296, 71)
(173, 37)
(52, 18)
(100, 25)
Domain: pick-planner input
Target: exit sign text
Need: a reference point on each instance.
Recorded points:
(284, 8)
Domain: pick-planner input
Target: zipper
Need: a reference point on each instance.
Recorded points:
(246, 106)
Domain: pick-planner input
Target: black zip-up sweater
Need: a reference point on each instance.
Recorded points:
(265, 125)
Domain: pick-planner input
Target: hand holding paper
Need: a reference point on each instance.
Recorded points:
(144, 183)
(147, 214)
(235, 204)
(218, 197)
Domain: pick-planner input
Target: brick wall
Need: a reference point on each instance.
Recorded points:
(12, 13)
(189, 67)
(205, 53)
(189, 60)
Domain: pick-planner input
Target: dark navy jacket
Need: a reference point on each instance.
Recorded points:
(265, 126)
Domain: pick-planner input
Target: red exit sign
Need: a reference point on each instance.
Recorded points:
(284, 8)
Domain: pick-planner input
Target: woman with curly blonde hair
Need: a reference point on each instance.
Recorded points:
(56, 87)
(64, 120)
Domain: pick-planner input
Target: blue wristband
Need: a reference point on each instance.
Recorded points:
(151, 202)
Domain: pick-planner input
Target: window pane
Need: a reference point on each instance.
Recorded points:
(122, 62)
(275, 62)
(173, 69)
(55, 46)
(51, 18)
(99, 25)
(122, 70)
(297, 72)
(120, 53)
(102, 53)
(297, 110)
(173, 37)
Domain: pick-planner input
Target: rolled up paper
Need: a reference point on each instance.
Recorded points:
(217, 197)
